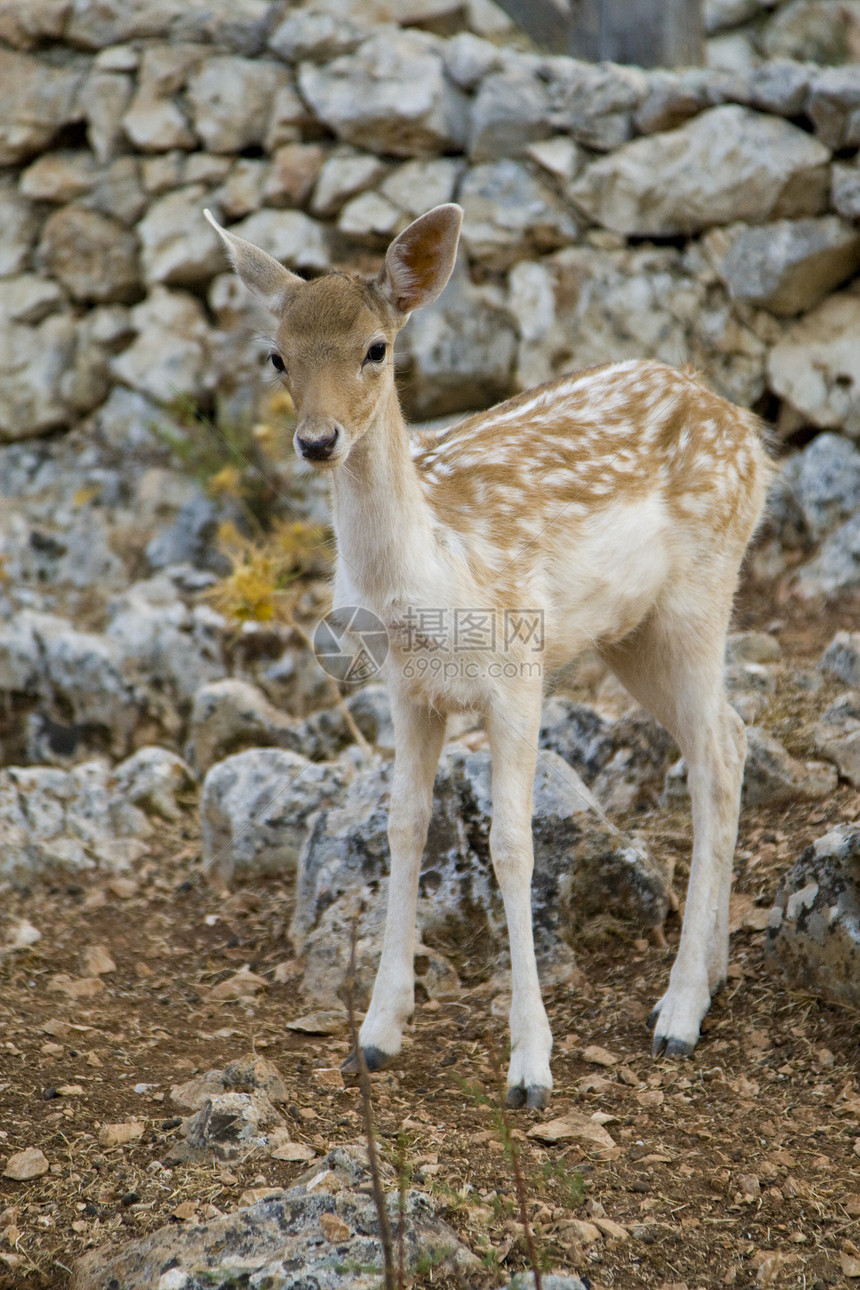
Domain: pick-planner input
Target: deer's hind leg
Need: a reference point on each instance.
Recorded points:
(673, 664)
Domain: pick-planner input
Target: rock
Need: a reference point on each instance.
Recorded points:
(54, 819)
(19, 229)
(105, 98)
(721, 14)
(25, 1165)
(549, 1281)
(781, 86)
(786, 267)
(231, 101)
(228, 1126)
(94, 257)
(36, 101)
(510, 111)
(256, 806)
(344, 175)
(292, 237)
(391, 96)
(815, 31)
(370, 218)
(230, 715)
(834, 106)
(845, 191)
(120, 1135)
(461, 353)
(295, 170)
(418, 185)
(248, 1074)
(817, 489)
(469, 58)
(169, 357)
(841, 659)
(33, 362)
(579, 868)
(576, 1127)
(61, 176)
(577, 733)
(814, 929)
(837, 736)
(508, 214)
(265, 1243)
(752, 647)
(318, 37)
(177, 244)
(154, 779)
(816, 365)
(772, 775)
(154, 121)
(237, 25)
(595, 103)
(163, 644)
(24, 28)
(836, 568)
(192, 537)
(759, 168)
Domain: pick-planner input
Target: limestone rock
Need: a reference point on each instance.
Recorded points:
(33, 361)
(814, 929)
(26, 1165)
(815, 31)
(416, 186)
(596, 103)
(232, 714)
(511, 110)
(155, 121)
(344, 175)
(179, 246)
(19, 229)
(772, 775)
(248, 1074)
(834, 105)
(255, 807)
(236, 25)
(508, 214)
(93, 256)
(390, 96)
(27, 26)
(841, 659)
(154, 779)
(60, 176)
(105, 98)
(265, 1243)
(36, 101)
(789, 266)
(837, 736)
(316, 36)
(780, 86)
(54, 819)
(228, 1126)
(170, 355)
(818, 488)
(816, 365)
(845, 192)
(231, 101)
(725, 165)
(461, 352)
(578, 868)
(370, 218)
(836, 568)
(469, 58)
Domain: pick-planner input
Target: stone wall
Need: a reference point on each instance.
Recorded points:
(702, 216)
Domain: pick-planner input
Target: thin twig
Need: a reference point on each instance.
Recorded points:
(369, 1129)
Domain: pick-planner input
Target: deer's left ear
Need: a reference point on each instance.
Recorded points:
(260, 272)
(419, 262)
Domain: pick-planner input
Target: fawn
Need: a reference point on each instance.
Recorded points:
(615, 504)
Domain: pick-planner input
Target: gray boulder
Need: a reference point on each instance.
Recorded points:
(36, 101)
(841, 659)
(391, 96)
(773, 775)
(510, 111)
(789, 266)
(836, 568)
(817, 489)
(508, 214)
(321, 1234)
(231, 100)
(837, 736)
(725, 165)
(256, 806)
(580, 868)
(813, 933)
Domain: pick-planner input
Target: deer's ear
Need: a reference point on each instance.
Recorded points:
(419, 262)
(262, 274)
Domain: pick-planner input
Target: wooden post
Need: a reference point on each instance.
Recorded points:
(649, 33)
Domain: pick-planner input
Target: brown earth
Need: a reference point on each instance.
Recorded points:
(736, 1167)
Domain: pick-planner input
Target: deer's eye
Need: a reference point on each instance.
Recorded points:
(376, 353)
(277, 362)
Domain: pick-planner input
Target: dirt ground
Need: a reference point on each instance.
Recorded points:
(737, 1167)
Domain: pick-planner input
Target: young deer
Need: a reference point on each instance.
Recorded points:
(616, 503)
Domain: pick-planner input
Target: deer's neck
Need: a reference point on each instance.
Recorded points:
(381, 516)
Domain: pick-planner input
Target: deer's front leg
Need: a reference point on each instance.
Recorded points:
(513, 741)
(418, 741)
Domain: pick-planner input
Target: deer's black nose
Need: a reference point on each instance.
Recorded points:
(320, 448)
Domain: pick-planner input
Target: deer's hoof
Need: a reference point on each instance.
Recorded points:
(374, 1059)
(665, 1046)
(535, 1097)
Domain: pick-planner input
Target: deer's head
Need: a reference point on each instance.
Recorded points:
(335, 334)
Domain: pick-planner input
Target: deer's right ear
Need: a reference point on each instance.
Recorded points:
(419, 262)
(262, 274)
